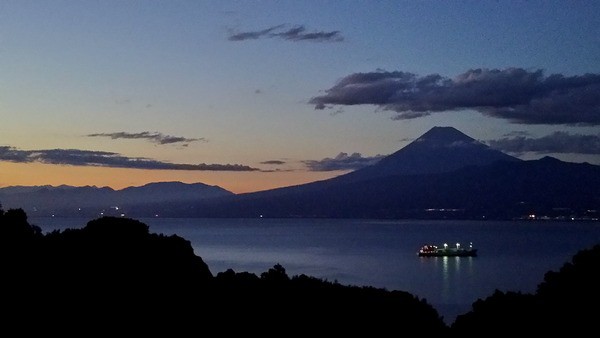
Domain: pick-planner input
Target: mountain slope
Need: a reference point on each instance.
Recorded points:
(439, 150)
(443, 173)
(501, 190)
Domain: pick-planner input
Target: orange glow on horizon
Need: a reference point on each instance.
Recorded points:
(32, 174)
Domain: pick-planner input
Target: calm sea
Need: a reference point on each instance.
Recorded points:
(512, 256)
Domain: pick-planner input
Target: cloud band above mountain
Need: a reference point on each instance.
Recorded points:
(557, 142)
(342, 161)
(514, 94)
(77, 157)
(154, 137)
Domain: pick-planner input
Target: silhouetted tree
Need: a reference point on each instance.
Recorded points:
(564, 302)
(501, 312)
(569, 296)
(275, 274)
(15, 227)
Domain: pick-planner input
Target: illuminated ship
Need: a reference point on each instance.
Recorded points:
(431, 250)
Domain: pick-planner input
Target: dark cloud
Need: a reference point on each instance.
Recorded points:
(514, 94)
(11, 154)
(155, 137)
(278, 171)
(77, 157)
(252, 35)
(296, 33)
(123, 100)
(557, 142)
(342, 161)
(516, 133)
(274, 162)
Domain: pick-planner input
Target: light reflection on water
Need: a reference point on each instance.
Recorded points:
(454, 270)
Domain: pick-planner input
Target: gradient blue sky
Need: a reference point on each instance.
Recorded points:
(120, 93)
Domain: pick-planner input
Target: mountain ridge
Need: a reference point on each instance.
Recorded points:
(444, 169)
(501, 190)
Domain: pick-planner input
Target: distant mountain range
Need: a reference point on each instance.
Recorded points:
(92, 201)
(442, 174)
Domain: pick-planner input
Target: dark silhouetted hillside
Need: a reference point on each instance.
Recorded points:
(565, 302)
(115, 275)
(112, 268)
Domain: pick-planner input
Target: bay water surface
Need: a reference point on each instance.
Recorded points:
(512, 255)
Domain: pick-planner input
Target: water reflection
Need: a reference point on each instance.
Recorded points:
(452, 274)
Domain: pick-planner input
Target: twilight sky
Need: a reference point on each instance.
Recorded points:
(252, 95)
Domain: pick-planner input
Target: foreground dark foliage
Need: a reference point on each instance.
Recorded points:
(565, 302)
(114, 275)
